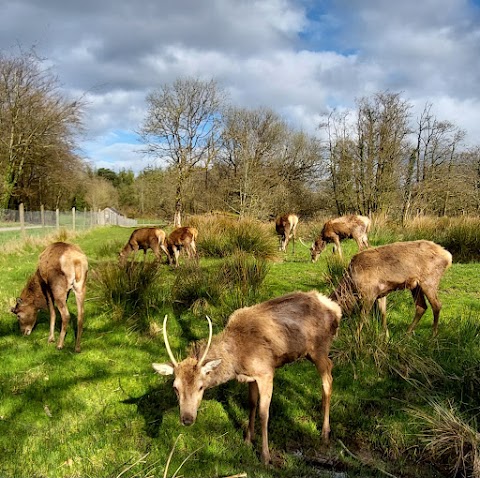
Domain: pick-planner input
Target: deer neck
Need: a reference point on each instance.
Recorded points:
(226, 370)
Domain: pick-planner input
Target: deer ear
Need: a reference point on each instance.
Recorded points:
(163, 368)
(209, 366)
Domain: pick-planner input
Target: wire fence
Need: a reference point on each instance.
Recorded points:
(22, 223)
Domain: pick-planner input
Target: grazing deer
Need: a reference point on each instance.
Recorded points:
(182, 238)
(256, 341)
(61, 268)
(286, 227)
(334, 230)
(374, 273)
(143, 239)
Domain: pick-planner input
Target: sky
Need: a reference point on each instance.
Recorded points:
(302, 58)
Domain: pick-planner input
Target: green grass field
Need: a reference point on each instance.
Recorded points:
(104, 412)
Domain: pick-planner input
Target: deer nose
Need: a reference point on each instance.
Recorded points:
(187, 420)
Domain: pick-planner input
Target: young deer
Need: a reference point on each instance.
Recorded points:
(286, 227)
(374, 273)
(182, 238)
(344, 227)
(143, 239)
(256, 341)
(61, 268)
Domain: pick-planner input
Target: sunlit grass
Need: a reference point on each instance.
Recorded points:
(104, 412)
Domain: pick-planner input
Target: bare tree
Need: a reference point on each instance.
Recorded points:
(38, 124)
(182, 127)
(252, 139)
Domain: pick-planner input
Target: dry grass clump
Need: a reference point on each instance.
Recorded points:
(220, 235)
(457, 234)
(33, 243)
(450, 441)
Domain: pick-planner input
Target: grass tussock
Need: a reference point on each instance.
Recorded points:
(222, 235)
(336, 267)
(450, 441)
(405, 357)
(235, 283)
(131, 292)
(242, 275)
(197, 288)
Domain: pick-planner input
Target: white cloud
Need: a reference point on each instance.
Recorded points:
(296, 56)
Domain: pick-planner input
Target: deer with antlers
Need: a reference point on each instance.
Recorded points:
(256, 341)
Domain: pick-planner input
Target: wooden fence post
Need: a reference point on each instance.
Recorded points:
(57, 218)
(21, 213)
(73, 219)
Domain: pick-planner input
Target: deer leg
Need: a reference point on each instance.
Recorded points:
(51, 308)
(420, 307)
(337, 246)
(80, 298)
(165, 250)
(324, 367)
(195, 253)
(65, 314)
(365, 241)
(253, 401)
(176, 253)
(265, 389)
(366, 307)
(382, 308)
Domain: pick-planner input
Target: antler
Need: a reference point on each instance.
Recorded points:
(167, 345)
(306, 245)
(210, 329)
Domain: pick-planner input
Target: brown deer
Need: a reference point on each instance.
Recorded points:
(256, 341)
(374, 273)
(344, 227)
(286, 227)
(182, 238)
(61, 268)
(143, 239)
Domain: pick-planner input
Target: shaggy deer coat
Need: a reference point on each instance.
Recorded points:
(61, 268)
(256, 341)
(374, 273)
(335, 230)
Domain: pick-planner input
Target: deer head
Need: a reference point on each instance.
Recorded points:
(191, 376)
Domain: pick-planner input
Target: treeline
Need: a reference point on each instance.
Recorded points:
(378, 158)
